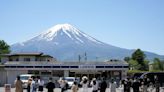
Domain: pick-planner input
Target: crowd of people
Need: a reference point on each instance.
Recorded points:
(141, 85)
(126, 85)
(36, 84)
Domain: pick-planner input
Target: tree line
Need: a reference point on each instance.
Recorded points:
(138, 61)
(4, 48)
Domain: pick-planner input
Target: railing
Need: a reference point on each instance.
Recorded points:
(66, 63)
(32, 62)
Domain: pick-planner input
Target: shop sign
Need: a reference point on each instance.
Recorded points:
(7, 87)
(87, 66)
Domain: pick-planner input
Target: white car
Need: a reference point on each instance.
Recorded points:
(70, 81)
(24, 78)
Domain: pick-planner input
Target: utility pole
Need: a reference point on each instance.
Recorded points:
(85, 56)
(79, 57)
(96, 58)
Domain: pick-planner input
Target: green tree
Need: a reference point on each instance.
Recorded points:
(145, 66)
(133, 64)
(4, 47)
(127, 59)
(139, 57)
(157, 65)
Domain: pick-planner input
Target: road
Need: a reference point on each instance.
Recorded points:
(80, 90)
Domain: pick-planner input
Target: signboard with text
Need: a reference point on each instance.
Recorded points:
(7, 87)
(87, 66)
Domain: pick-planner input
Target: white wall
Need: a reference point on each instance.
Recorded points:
(12, 75)
(2, 77)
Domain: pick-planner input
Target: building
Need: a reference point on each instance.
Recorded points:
(46, 66)
(2, 78)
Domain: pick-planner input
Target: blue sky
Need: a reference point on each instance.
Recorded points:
(128, 24)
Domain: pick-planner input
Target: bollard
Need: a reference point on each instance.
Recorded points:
(7, 87)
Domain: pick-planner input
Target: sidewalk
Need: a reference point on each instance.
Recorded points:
(80, 90)
(57, 90)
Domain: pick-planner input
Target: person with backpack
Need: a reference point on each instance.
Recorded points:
(50, 86)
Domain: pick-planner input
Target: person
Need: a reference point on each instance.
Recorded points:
(142, 87)
(66, 85)
(151, 87)
(57, 85)
(84, 84)
(18, 85)
(29, 84)
(41, 84)
(112, 86)
(156, 83)
(74, 87)
(127, 85)
(146, 83)
(136, 85)
(121, 83)
(50, 86)
(33, 86)
(120, 87)
(103, 86)
(63, 85)
(94, 85)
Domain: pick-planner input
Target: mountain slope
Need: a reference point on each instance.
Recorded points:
(65, 42)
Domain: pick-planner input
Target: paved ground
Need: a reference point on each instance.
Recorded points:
(45, 90)
(80, 90)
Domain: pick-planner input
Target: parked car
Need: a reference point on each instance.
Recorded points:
(70, 81)
(24, 78)
(137, 75)
(151, 75)
(77, 79)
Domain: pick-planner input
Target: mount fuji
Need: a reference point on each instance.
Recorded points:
(67, 43)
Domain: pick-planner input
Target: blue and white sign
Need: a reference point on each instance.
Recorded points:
(87, 66)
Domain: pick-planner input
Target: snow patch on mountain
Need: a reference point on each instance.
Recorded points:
(66, 30)
(65, 42)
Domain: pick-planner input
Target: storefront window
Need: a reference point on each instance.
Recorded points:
(33, 72)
